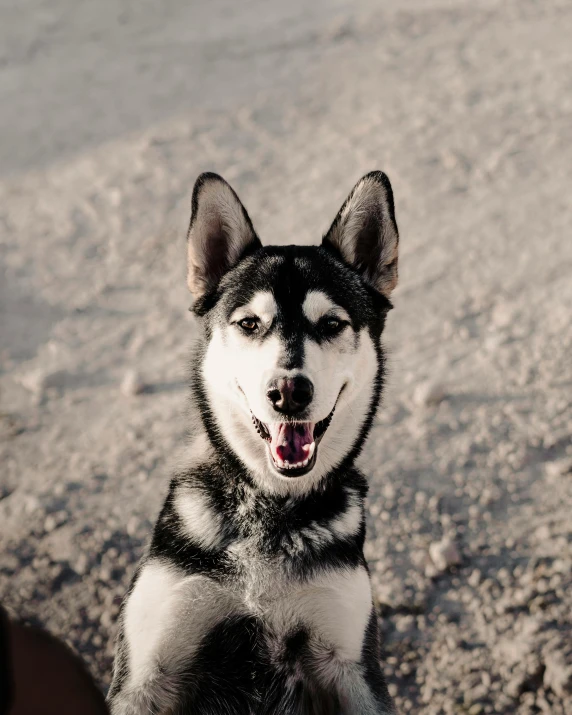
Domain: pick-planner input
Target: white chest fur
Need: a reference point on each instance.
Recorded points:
(169, 612)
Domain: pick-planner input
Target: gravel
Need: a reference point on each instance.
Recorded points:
(429, 394)
(466, 106)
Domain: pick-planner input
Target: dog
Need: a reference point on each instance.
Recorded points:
(254, 596)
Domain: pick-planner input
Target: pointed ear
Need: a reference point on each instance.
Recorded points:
(364, 232)
(220, 234)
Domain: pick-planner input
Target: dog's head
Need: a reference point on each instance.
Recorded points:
(291, 365)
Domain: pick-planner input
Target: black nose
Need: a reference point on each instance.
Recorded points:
(290, 395)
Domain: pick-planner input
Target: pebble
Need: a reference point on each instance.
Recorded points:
(405, 624)
(474, 511)
(37, 381)
(558, 674)
(444, 554)
(559, 467)
(392, 689)
(475, 578)
(106, 619)
(81, 565)
(55, 520)
(133, 526)
(132, 384)
(429, 393)
(543, 532)
(561, 566)
(514, 686)
(32, 504)
(503, 315)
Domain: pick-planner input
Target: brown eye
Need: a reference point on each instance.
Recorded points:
(331, 326)
(249, 325)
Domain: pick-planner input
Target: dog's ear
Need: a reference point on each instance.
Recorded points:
(220, 234)
(364, 232)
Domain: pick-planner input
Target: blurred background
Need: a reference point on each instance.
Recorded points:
(109, 111)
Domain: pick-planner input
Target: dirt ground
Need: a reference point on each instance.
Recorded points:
(109, 112)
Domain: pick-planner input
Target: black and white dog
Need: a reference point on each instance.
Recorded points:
(254, 597)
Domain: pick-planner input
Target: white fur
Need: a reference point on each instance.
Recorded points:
(233, 374)
(317, 305)
(168, 613)
(147, 615)
(318, 535)
(236, 371)
(347, 678)
(334, 606)
(352, 365)
(165, 617)
(262, 305)
(201, 524)
(198, 451)
(349, 522)
(337, 606)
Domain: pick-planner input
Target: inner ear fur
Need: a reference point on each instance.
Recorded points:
(220, 234)
(364, 233)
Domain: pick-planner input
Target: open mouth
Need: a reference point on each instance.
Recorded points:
(293, 446)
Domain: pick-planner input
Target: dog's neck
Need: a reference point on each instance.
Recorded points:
(212, 464)
(309, 529)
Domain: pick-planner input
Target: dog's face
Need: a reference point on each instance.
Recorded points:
(292, 362)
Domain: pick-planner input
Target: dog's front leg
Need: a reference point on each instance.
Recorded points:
(366, 682)
(359, 695)
(341, 656)
(360, 685)
(362, 690)
(164, 618)
(358, 688)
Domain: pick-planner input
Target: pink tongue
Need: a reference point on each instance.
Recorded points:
(287, 441)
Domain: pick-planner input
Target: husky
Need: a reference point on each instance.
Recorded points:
(254, 596)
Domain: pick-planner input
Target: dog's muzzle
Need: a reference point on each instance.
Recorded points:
(293, 445)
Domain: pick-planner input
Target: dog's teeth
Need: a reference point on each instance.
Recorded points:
(310, 449)
(297, 465)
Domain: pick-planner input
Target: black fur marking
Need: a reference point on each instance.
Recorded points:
(226, 674)
(233, 672)
(169, 541)
(370, 659)
(275, 522)
(294, 644)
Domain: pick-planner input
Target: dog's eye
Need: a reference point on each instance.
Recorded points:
(249, 325)
(331, 326)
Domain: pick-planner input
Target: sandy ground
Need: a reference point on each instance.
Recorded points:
(109, 112)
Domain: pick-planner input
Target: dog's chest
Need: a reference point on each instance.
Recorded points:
(331, 607)
(286, 565)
